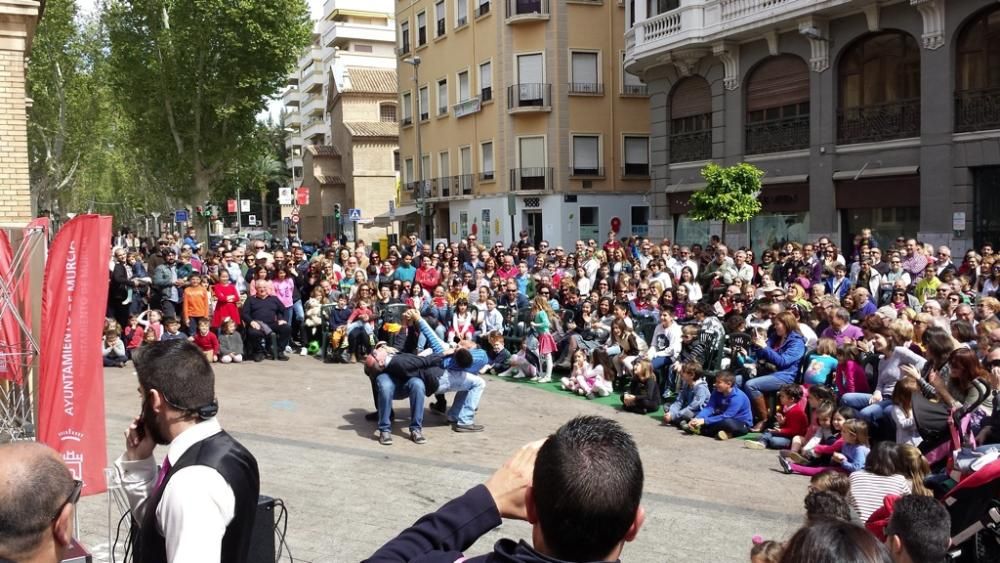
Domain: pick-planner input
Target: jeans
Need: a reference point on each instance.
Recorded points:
(730, 426)
(468, 387)
(874, 414)
(678, 413)
(758, 386)
(775, 442)
(661, 367)
(390, 389)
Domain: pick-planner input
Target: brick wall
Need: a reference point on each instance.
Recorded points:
(14, 183)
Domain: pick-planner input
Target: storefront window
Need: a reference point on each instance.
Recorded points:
(691, 232)
(768, 230)
(886, 224)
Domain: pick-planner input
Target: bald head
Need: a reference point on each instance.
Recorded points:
(34, 487)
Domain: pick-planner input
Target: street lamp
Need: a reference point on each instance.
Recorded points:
(415, 61)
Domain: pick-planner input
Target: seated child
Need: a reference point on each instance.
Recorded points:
(172, 329)
(767, 551)
(152, 321)
(524, 364)
(849, 459)
(692, 351)
(643, 395)
(133, 335)
(791, 421)
(498, 355)
(314, 313)
(586, 378)
(822, 364)
(363, 316)
(113, 350)
(230, 343)
(692, 398)
(462, 322)
(727, 413)
(206, 341)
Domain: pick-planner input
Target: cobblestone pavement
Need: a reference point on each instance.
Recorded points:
(346, 494)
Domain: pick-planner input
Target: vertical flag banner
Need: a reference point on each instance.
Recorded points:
(10, 331)
(71, 376)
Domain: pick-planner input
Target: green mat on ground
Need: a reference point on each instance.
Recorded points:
(555, 386)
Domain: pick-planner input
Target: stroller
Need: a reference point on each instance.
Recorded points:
(946, 432)
(974, 506)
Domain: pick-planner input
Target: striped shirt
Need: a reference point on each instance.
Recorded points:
(869, 490)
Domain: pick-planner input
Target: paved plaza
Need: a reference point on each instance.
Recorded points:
(346, 494)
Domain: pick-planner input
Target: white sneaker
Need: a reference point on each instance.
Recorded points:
(303, 351)
(544, 380)
(288, 349)
(519, 375)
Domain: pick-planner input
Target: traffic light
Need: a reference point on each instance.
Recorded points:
(336, 212)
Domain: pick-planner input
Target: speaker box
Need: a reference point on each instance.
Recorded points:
(262, 540)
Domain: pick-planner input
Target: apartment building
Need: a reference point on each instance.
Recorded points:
(524, 118)
(339, 113)
(879, 114)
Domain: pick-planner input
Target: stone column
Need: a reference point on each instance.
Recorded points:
(17, 26)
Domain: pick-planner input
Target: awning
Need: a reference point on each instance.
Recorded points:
(401, 213)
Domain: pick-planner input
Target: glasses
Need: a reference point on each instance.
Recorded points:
(543, 292)
(73, 498)
(992, 364)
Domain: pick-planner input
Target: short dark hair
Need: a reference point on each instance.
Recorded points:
(923, 525)
(883, 459)
(179, 370)
(587, 486)
(792, 391)
(826, 504)
(834, 541)
(463, 358)
(33, 489)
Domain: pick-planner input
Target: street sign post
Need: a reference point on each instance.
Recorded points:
(181, 216)
(392, 210)
(354, 214)
(295, 218)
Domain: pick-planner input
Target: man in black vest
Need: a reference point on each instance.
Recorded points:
(200, 504)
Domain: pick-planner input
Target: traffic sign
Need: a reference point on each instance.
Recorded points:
(392, 210)
(252, 219)
(285, 196)
(181, 216)
(295, 217)
(245, 206)
(354, 214)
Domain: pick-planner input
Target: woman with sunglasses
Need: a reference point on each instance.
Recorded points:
(992, 283)
(766, 266)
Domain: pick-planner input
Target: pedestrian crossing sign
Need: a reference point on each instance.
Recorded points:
(354, 214)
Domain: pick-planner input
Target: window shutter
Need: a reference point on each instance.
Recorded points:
(585, 152)
(693, 96)
(780, 81)
(585, 68)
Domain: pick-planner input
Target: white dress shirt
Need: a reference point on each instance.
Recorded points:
(197, 503)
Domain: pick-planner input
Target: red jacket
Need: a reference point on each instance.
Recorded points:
(207, 343)
(795, 424)
(428, 278)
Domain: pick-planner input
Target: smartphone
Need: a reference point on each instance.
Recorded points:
(140, 428)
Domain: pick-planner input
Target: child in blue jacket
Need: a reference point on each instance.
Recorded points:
(727, 413)
(693, 397)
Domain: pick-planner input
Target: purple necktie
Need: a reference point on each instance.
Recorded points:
(164, 469)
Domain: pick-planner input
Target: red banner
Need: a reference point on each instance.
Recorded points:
(231, 205)
(71, 377)
(302, 196)
(10, 330)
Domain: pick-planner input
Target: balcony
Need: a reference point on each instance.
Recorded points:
(313, 55)
(529, 97)
(638, 90)
(483, 9)
(977, 110)
(315, 129)
(339, 33)
(521, 11)
(467, 107)
(704, 22)
(312, 78)
(635, 170)
(777, 135)
(586, 89)
(879, 122)
(487, 176)
(293, 118)
(486, 94)
(585, 171)
(691, 146)
(375, 7)
(313, 104)
(291, 97)
(464, 183)
(533, 179)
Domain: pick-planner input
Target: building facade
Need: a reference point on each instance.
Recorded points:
(328, 116)
(18, 19)
(524, 118)
(880, 114)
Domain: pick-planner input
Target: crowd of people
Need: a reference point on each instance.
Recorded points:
(849, 359)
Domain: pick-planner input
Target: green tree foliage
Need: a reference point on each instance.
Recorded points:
(730, 196)
(192, 76)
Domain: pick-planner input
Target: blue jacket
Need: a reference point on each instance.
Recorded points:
(404, 274)
(842, 290)
(787, 358)
(855, 456)
(693, 397)
(735, 405)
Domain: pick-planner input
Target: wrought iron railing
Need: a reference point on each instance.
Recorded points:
(527, 7)
(406, 121)
(586, 170)
(440, 28)
(464, 183)
(586, 88)
(977, 110)
(483, 9)
(879, 122)
(530, 179)
(487, 176)
(777, 135)
(486, 94)
(691, 146)
(528, 96)
(635, 170)
(635, 90)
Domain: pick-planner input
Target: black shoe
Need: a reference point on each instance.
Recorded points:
(282, 357)
(385, 438)
(468, 427)
(417, 437)
(258, 357)
(371, 417)
(786, 466)
(440, 407)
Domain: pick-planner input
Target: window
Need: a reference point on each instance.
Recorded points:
(691, 120)
(487, 161)
(532, 174)
(408, 175)
(590, 223)
(463, 86)
(387, 113)
(531, 89)
(444, 170)
(485, 81)
(977, 74)
(442, 95)
(657, 7)
(404, 37)
(636, 156)
(586, 155)
(395, 160)
(465, 162)
(425, 167)
(424, 103)
(421, 29)
(407, 108)
(777, 106)
(484, 8)
(584, 78)
(439, 18)
(631, 84)
(461, 12)
(362, 48)
(640, 221)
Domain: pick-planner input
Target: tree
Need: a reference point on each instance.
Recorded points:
(193, 75)
(730, 195)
